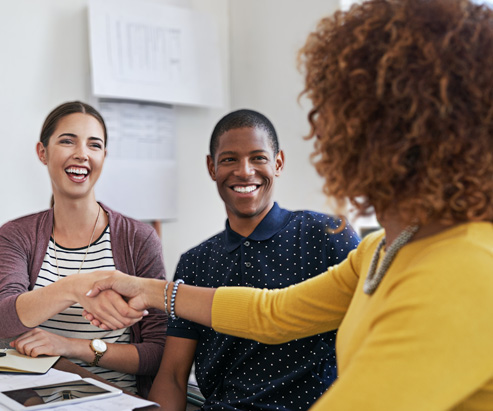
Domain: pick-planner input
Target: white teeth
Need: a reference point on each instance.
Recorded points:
(247, 189)
(74, 170)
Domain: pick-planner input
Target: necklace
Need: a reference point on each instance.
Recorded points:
(374, 276)
(87, 249)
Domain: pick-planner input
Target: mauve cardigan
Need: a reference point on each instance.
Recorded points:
(136, 251)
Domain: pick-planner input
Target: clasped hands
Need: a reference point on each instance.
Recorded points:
(115, 301)
(111, 300)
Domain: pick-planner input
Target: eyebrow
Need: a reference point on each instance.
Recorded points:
(75, 136)
(228, 153)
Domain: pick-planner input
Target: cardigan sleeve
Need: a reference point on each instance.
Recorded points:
(311, 307)
(150, 332)
(14, 278)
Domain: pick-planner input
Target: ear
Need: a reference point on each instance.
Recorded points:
(211, 167)
(279, 163)
(41, 151)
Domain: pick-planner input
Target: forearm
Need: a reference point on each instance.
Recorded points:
(35, 307)
(170, 385)
(118, 357)
(191, 302)
(170, 394)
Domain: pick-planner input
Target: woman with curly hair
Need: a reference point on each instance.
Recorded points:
(402, 116)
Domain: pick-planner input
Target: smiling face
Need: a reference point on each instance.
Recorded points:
(74, 155)
(244, 168)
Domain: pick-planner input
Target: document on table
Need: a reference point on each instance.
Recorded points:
(13, 381)
(124, 402)
(121, 402)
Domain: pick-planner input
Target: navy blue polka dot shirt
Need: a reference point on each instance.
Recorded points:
(285, 248)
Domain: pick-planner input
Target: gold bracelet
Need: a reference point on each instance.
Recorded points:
(166, 298)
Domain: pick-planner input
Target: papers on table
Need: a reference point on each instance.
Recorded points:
(12, 381)
(121, 402)
(124, 402)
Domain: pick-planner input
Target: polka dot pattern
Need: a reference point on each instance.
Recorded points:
(285, 248)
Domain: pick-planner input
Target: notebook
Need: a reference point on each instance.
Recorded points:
(15, 362)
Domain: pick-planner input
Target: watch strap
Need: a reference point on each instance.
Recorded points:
(97, 357)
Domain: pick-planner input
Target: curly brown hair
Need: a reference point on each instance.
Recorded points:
(402, 95)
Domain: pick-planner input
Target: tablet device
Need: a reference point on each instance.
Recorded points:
(56, 395)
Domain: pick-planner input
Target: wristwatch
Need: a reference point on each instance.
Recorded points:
(99, 347)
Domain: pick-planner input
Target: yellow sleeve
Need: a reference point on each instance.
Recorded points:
(275, 316)
(430, 344)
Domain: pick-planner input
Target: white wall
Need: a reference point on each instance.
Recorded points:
(45, 61)
(265, 39)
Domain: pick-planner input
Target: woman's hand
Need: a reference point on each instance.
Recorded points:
(40, 342)
(117, 284)
(126, 285)
(194, 303)
(107, 305)
(115, 310)
(140, 293)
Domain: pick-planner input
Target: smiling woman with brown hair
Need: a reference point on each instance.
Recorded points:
(46, 261)
(402, 96)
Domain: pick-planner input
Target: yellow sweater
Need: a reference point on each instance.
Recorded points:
(422, 341)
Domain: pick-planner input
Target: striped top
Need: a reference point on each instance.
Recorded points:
(70, 322)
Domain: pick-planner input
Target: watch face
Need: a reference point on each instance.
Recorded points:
(99, 345)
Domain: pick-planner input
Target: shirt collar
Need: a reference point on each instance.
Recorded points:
(272, 223)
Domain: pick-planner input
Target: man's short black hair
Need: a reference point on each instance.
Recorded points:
(239, 119)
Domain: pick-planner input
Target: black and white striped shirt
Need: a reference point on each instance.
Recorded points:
(70, 322)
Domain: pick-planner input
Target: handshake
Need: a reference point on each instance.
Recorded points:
(117, 300)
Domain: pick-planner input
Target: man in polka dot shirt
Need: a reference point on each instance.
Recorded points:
(262, 246)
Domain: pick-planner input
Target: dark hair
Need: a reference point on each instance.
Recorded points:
(63, 110)
(402, 97)
(239, 119)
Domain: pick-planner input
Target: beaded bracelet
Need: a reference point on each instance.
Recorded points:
(173, 297)
(166, 297)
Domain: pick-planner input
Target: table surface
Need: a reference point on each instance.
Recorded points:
(66, 365)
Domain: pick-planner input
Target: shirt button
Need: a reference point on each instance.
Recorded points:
(246, 243)
(247, 264)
